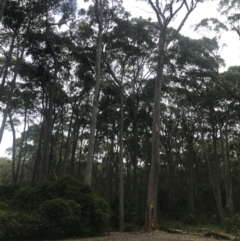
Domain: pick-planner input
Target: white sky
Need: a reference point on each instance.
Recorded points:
(231, 53)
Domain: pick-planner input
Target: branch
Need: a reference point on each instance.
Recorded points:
(114, 77)
(229, 92)
(193, 6)
(160, 11)
(157, 13)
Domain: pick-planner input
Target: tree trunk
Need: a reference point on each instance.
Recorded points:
(216, 194)
(74, 146)
(227, 175)
(190, 191)
(13, 82)
(121, 177)
(9, 99)
(88, 172)
(35, 175)
(13, 148)
(49, 114)
(151, 212)
(59, 162)
(22, 142)
(4, 69)
(67, 145)
(215, 170)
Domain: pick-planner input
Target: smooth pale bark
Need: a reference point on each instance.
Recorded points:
(151, 212)
(91, 143)
(163, 22)
(67, 145)
(121, 181)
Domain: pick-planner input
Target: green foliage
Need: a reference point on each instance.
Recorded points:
(95, 214)
(231, 224)
(131, 227)
(18, 225)
(61, 209)
(29, 199)
(7, 192)
(165, 225)
(5, 171)
(62, 218)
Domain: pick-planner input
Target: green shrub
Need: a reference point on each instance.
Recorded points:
(29, 199)
(69, 188)
(95, 214)
(62, 218)
(7, 192)
(18, 225)
(8, 226)
(131, 227)
(65, 208)
(231, 224)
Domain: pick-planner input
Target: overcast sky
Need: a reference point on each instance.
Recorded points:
(231, 53)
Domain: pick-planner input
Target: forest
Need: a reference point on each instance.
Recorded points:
(124, 121)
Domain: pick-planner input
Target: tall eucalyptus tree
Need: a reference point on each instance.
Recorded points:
(166, 12)
(100, 5)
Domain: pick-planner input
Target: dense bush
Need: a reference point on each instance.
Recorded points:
(95, 214)
(61, 218)
(29, 199)
(231, 224)
(7, 192)
(18, 225)
(61, 209)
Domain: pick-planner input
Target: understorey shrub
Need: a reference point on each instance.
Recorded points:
(62, 209)
(29, 199)
(95, 214)
(231, 224)
(19, 226)
(7, 192)
(62, 218)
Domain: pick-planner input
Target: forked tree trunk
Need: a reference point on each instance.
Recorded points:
(163, 22)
